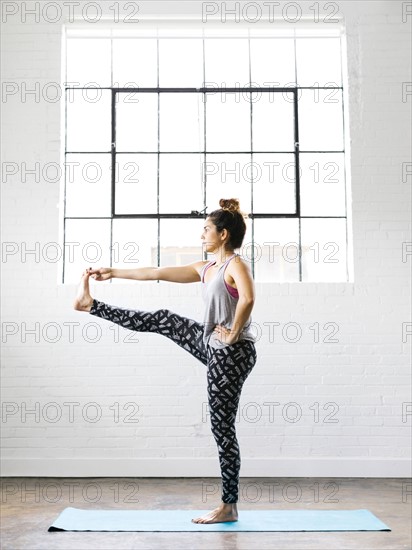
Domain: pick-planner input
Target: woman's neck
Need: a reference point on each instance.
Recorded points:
(223, 257)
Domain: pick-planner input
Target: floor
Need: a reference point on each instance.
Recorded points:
(29, 506)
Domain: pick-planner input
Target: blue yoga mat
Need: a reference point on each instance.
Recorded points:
(75, 519)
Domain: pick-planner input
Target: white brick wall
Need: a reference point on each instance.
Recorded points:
(361, 381)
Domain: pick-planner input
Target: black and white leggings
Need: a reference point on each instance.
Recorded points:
(227, 370)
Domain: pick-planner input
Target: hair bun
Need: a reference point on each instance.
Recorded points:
(232, 205)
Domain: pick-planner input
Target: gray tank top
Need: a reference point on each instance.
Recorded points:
(220, 307)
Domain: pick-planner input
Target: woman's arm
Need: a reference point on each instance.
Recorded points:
(243, 310)
(181, 274)
(242, 276)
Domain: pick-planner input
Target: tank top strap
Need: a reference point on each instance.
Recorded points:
(222, 269)
(225, 264)
(204, 269)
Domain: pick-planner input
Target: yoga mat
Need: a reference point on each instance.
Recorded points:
(75, 519)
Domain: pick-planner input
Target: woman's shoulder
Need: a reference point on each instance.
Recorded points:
(200, 266)
(239, 267)
(239, 262)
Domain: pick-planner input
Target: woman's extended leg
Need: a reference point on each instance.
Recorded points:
(185, 332)
(227, 371)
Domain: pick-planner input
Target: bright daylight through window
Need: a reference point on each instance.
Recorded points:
(160, 128)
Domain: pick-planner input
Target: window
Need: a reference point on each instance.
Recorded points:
(159, 128)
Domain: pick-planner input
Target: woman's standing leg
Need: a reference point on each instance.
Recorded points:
(227, 371)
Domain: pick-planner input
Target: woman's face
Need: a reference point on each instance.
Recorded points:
(212, 240)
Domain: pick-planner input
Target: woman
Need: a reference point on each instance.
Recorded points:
(224, 342)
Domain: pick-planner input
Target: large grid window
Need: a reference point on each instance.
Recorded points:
(159, 129)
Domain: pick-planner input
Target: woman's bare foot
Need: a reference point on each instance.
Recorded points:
(83, 301)
(225, 512)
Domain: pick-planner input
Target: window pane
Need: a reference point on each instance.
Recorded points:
(228, 176)
(322, 184)
(180, 241)
(320, 120)
(318, 61)
(227, 62)
(180, 183)
(228, 122)
(88, 185)
(246, 250)
(88, 61)
(134, 246)
(276, 250)
(136, 122)
(135, 62)
(323, 250)
(136, 184)
(274, 189)
(273, 122)
(181, 122)
(180, 63)
(87, 245)
(272, 61)
(88, 120)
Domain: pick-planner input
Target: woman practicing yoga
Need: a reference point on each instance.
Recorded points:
(224, 342)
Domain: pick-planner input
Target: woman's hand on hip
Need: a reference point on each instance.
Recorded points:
(225, 335)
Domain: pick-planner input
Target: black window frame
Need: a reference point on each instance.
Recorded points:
(200, 213)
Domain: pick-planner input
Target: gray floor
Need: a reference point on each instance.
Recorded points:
(29, 506)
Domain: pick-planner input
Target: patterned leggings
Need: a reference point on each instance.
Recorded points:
(227, 370)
